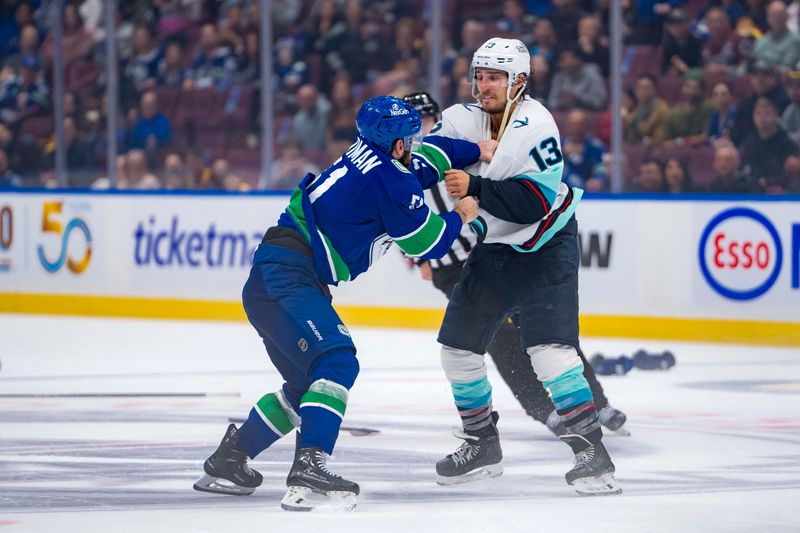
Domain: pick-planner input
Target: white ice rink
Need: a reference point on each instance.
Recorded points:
(715, 442)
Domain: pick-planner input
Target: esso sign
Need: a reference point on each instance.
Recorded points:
(740, 254)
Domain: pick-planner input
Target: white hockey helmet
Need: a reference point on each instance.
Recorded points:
(508, 55)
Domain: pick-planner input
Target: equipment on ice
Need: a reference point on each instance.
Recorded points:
(479, 457)
(593, 472)
(310, 476)
(226, 470)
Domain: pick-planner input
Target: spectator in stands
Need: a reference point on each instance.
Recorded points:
(152, 129)
(723, 118)
(766, 150)
(176, 175)
(137, 174)
(172, 71)
(565, 16)
(342, 116)
(720, 51)
(577, 84)
(142, 67)
(311, 120)
(76, 42)
(756, 11)
(250, 62)
(24, 95)
(681, 48)
(765, 82)
(232, 29)
(7, 178)
(592, 44)
(545, 41)
(793, 12)
(650, 178)
(645, 19)
(688, 121)
(222, 177)
(780, 46)
(583, 155)
(541, 80)
(285, 14)
(325, 27)
(517, 21)
(11, 26)
(728, 177)
(473, 34)
(214, 65)
(646, 123)
(28, 46)
(291, 167)
(791, 167)
(80, 158)
(291, 71)
(790, 119)
(676, 176)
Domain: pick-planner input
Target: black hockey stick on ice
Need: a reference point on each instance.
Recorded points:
(123, 395)
(354, 431)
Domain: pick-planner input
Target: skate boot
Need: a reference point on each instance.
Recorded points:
(479, 457)
(226, 471)
(310, 476)
(593, 472)
(613, 419)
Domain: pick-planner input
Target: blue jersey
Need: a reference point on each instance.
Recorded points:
(353, 211)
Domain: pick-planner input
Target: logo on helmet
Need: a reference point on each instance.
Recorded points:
(397, 110)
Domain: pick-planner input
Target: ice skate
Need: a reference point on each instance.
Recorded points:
(312, 487)
(479, 457)
(593, 472)
(614, 420)
(226, 471)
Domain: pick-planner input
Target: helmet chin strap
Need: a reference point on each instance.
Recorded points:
(509, 103)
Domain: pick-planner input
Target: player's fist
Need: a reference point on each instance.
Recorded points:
(467, 208)
(487, 149)
(456, 182)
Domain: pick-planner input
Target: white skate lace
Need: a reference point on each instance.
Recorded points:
(321, 461)
(584, 457)
(466, 451)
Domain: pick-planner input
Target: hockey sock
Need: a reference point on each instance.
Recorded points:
(597, 389)
(472, 391)
(322, 408)
(270, 419)
(573, 401)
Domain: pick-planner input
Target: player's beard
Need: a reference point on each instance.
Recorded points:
(406, 159)
(496, 107)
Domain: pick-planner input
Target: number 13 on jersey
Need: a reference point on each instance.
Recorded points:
(552, 154)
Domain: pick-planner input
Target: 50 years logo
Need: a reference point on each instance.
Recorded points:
(51, 213)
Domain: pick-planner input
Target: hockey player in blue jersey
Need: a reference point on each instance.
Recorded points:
(336, 226)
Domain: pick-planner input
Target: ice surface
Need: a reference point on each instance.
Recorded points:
(714, 448)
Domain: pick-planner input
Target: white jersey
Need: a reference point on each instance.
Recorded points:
(529, 149)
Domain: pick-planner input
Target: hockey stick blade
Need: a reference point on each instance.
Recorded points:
(354, 431)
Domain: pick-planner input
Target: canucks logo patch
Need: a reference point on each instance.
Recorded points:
(302, 344)
(343, 329)
(400, 166)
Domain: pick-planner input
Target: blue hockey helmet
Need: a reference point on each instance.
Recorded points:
(384, 119)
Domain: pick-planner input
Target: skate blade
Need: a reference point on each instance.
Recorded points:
(604, 485)
(303, 499)
(218, 485)
(484, 472)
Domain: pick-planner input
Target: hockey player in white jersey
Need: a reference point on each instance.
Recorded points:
(526, 261)
(507, 353)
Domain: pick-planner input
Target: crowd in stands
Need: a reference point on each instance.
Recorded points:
(711, 100)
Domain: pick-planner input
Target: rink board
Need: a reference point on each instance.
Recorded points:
(700, 268)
